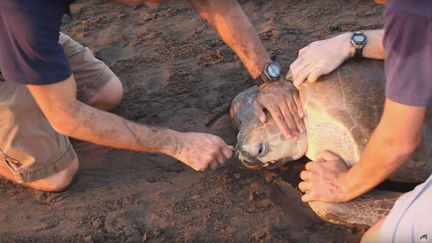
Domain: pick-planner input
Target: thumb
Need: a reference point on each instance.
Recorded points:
(290, 77)
(228, 151)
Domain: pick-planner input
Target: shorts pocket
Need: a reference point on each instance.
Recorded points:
(13, 164)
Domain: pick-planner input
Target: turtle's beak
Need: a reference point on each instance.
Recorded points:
(246, 159)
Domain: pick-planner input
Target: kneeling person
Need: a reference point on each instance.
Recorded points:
(31, 151)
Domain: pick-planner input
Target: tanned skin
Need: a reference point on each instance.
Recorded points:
(394, 139)
(200, 151)
(73, 118)
(279, 98)
(323, 56)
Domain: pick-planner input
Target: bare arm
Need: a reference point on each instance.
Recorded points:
(324, 56)
(395, 138)
(374, 48)
(235, 29)
(232, 25)
(73, 118)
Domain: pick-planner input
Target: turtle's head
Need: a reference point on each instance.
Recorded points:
(263, 145)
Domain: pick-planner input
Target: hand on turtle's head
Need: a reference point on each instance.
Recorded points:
(282, 101)
(320, 58)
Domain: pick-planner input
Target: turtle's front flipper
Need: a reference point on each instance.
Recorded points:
(363, 211)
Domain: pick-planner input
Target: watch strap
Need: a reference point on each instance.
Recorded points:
(261, 79)
(264, 77)
(358, 46)
(358, 52)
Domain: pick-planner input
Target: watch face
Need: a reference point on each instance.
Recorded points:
(359, 38)
(274, 70)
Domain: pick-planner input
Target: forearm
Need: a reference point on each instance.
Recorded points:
(383, 156)
(235, 29)
(397, 135)
(103, 128)
(72, 118)
(374, 48)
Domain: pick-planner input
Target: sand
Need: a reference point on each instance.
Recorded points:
(178, 74)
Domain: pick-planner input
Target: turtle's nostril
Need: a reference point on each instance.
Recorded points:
(262, 149)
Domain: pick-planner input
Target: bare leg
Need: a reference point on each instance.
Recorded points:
(53, 183)
(109, 96)
(106, 99)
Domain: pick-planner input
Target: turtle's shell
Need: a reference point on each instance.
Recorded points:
(343, 108)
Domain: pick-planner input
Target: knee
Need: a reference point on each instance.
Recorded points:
(57, 182)
(115, 92)
(109, 96)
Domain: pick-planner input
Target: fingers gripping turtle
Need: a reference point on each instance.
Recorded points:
(341, 110)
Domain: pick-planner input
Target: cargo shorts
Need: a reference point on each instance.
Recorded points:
(29, 147)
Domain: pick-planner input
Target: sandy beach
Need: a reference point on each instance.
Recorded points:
(177, 73)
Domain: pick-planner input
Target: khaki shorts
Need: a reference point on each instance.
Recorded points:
(29, 146)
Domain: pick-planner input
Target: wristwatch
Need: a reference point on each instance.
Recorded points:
(359, 41)
(271, 72)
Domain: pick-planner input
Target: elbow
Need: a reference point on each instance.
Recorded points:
(407, 147)
(64, 121)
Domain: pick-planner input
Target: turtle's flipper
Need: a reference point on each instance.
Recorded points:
(364, 211)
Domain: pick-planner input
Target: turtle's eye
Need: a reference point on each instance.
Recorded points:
(262, 149)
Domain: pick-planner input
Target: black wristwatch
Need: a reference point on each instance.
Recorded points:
(359, 41)
(271, 72)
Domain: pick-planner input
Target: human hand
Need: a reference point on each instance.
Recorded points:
(323, 179)
(201, 151)
(282, 101)
(320, 58)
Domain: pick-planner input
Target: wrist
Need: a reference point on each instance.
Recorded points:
(348, 48)
(171, 146)
(271, 72)
(256, 67)
(282, 82)
(347, 193)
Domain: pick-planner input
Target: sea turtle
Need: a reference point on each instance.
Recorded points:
(341, 111)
